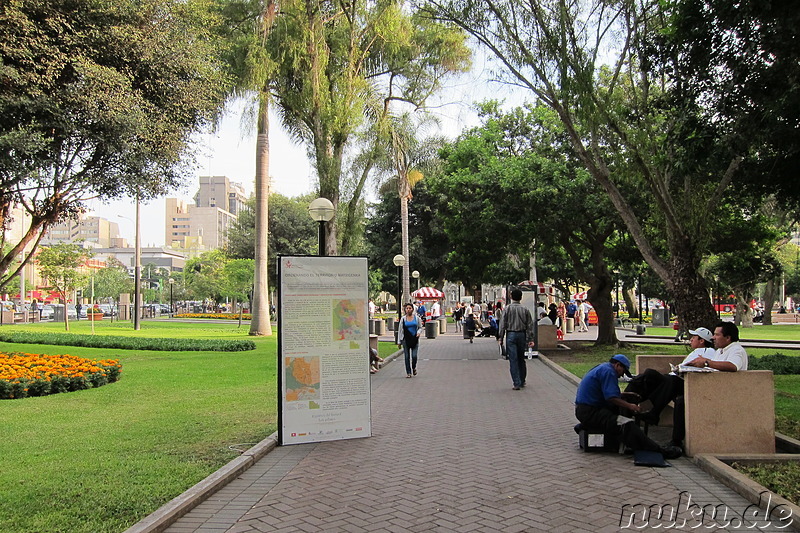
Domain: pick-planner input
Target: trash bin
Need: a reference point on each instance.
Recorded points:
(442, 320)
(390, 323)
(431, 329)
(380, 326)
(641, 329)
(372, 326)
(660, 317)
(58, 313)
(570, 325)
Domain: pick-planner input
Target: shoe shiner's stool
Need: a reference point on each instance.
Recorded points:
(596, 440)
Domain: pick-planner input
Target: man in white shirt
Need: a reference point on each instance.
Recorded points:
(544, 320)
(730, 355)
(436, 310)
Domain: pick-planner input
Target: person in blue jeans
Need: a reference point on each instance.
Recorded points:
(408, 332)
(516, 325)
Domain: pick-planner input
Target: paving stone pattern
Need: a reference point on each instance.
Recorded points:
(456, 449)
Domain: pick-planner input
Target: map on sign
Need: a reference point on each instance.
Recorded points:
(301, 378)
(349, 317)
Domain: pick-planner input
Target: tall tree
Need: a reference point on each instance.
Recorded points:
(661, 143)
(518, 170)
(429, 245)
(97, 99)
(339, 66)
(250, 24)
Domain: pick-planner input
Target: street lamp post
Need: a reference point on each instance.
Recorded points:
(137, 269)
(415, 275)
(321, 211)
(399, 261)
(171, 307)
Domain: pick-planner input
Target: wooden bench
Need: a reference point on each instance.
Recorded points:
(726, 412)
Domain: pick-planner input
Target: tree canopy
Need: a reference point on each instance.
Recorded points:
(632, 117)
(98, 99)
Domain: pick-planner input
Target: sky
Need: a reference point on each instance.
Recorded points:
(230, 151)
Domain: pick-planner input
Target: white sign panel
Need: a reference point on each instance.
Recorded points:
(323, 340)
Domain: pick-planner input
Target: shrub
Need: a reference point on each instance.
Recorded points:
(26, 374)
(128, 343)
(779, 363)
(223, 316)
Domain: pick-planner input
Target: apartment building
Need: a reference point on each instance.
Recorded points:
(219, 191)
(204, 224)
(91, 229)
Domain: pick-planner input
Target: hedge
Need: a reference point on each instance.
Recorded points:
(779, 363)
(129, 343)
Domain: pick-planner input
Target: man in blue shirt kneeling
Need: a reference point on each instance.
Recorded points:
(599, 402)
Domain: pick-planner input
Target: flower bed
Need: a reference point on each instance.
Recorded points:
(27, 374)
(227, 316)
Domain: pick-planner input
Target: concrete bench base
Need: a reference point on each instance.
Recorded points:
(547, 338)
(730, 412)
(726, 412)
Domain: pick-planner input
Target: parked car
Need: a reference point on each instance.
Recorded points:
(108, 310)
(72, 314)
(46, 312)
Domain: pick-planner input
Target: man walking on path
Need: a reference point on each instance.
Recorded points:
(516, 325)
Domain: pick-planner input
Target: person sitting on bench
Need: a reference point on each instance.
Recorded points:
(599, 403)
(661, 389)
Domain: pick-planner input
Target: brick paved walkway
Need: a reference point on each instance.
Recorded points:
(455, 449)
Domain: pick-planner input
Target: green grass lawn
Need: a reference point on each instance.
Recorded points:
(101, 459)
(775, 332)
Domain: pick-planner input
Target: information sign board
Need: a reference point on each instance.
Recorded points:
(323, 345)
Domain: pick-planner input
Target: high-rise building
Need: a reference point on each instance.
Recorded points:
(204, 225)
(91, 229)
(219, 191)
(189, 226)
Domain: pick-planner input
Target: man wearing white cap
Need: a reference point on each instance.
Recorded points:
(660, 388)
(702, 344)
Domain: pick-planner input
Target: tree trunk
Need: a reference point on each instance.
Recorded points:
(770, 295)
(629, 296)
(405, 249)
(744, 315)
(260, 322)
(689, 291)
(600, 298)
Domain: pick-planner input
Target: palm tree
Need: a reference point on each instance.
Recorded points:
(253, 71)
(260, 323)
